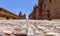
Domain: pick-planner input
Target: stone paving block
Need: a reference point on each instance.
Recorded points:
(30, 27)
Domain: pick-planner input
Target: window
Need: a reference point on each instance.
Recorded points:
(48, 13)
(5, 10)
(50, 0)
(0, 9)
(7, 17)
(44, 5)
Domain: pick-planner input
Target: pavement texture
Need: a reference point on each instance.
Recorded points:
(29, 27)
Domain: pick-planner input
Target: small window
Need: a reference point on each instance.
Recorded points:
(7, 17)
(0, 9)
(48, 13)
(5, 10)
(44, 5)
(50, 0)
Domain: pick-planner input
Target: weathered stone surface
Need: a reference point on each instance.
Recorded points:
(30, 27)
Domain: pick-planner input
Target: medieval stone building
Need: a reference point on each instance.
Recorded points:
(7, 15)
(34, 13)
(47, 10)
(22, 16)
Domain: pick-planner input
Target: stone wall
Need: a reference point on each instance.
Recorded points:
(53, 7)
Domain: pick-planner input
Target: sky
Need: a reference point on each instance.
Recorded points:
(15, 6)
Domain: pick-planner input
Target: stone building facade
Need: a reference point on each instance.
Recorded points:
(52, 7)
(47, 10)
(7, 15)
(34, 12)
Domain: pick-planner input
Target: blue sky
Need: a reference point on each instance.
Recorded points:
(15, 6)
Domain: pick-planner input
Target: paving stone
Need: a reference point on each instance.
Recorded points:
(30, 27)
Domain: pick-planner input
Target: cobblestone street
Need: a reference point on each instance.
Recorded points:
(29, 28)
